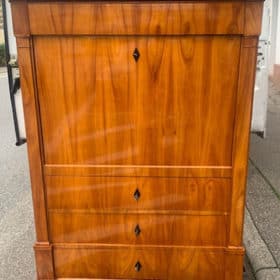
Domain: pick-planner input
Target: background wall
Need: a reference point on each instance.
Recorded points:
(274, 50)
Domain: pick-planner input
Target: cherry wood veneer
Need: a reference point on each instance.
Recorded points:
(118, 194)
(157, 263)
(156, 228)
(153, 18)
(158, 141)
(131, 113)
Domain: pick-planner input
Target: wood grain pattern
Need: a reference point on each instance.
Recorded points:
(117, 193)
(136, 18)
(20, 19)
(175, 124)
(66, 227)
(234, 263)
(241, 140)
(157, 263)
(25, 60)
(253, 18)
(174, 171)
(131, 113)
(44, 260)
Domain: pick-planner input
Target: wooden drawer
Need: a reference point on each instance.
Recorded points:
(156, 263)
(120, 193)
(136, 18)
(144, 228)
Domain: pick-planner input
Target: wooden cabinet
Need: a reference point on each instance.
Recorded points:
(138, 117)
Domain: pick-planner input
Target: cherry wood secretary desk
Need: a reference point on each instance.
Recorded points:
(138, 117)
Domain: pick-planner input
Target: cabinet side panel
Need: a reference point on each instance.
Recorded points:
(241, 136)
(27, 80)
(42, 248)
(28, 95)
(34, 155)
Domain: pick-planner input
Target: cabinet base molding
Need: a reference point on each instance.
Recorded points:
(44, 261)
(234, 263)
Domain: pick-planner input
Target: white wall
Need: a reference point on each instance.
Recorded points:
(277, 55)
(274, 50)
(12, 40)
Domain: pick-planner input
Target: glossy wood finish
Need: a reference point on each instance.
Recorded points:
(232, 258)
(20, 21)
(110, 193)
(43, 251)
(175, 124)
(157, 263)
(253, 14)
(136, 18)
(156, 229)
(44, 260)
(176, 171)
(234, 263)
(32, 127)
(241, 138)
(131, 113)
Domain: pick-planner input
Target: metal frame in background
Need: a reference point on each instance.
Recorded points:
(14, 84)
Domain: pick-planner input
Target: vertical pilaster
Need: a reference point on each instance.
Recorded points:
(43, 249)
(243, 114)
(244, 101)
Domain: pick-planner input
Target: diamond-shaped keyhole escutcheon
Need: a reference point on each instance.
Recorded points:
(136, 54)
(138, 266)
(137, 230)
(137, 194)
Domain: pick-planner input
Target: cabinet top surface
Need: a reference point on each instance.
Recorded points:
(199, 17)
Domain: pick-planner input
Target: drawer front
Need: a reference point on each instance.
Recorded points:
(162, 229)
(174, 106)
(136, 18)
(155, 263)
(138, 193)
